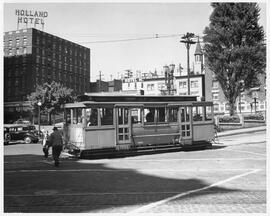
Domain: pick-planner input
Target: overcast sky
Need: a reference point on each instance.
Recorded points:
(89, 22)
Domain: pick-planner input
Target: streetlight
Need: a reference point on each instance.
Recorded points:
(188, 41)
(242, 83)
(39, 105)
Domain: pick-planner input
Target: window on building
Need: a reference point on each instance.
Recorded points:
(10, 42)
(24, 50)
(17, 51)
(10, 52)
(150, 87)
(17, 41)
(142, 85)
(24, 41)
(194, 84)
(215, 84)
(182, 84)
(215, 96)
(216, 107)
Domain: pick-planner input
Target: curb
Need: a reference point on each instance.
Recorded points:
(240, 132)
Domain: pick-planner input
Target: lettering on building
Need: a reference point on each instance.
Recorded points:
(31, 17)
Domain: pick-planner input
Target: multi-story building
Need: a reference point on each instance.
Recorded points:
(249, 101)
(33, 57)
(155, 83)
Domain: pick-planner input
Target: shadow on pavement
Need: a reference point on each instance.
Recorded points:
(33, 184)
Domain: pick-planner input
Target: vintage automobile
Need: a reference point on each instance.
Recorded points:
(22, 121)
(26, 133)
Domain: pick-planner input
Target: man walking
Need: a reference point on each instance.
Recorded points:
(56, 142)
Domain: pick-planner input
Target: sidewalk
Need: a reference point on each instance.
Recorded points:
(241, 131)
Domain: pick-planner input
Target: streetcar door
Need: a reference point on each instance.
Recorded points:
(123, 129)
(185, 122)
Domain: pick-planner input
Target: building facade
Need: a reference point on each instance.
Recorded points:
(249, 101)
(155, 83)
(33, 57)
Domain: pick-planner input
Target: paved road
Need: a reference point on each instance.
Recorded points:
(229, 178)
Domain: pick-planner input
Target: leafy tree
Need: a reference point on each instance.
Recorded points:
(52, 96)
(234, 47)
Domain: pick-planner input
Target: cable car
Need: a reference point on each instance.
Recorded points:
(98, 123)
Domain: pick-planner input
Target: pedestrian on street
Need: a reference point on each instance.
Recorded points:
(45, 143)
(56, 142)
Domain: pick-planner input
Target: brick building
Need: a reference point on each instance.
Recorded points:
(33, 57)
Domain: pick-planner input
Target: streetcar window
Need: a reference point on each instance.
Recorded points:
(173, 114)
(197, 113)
(136, 115)
(77, 116)
(184, 114)
(122, 116)
(161, 114)
(68, 116)
(106, 116)
(208, 113)
(91, 117)
(149, 115)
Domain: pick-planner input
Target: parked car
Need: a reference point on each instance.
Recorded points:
(6, 136)
(26, 133)
(22, 121)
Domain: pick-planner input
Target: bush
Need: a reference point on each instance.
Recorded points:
(257, 116)
(229, 119)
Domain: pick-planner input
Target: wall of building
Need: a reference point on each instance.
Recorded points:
(33, 57)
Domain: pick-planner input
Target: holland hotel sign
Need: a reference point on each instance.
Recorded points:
(31, 17)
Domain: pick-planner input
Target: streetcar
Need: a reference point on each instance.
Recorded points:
(98, 123)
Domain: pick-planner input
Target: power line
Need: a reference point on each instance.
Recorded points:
(156, 36)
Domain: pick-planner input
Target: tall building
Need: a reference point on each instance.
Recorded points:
(33, 57)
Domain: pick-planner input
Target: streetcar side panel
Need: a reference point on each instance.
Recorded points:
(100, 139)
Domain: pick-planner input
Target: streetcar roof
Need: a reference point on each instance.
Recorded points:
(134, 101)
(135, 98)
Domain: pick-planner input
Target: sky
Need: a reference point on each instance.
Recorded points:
(88, 23)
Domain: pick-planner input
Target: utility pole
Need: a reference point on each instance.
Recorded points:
(187, 40)
(99, 83)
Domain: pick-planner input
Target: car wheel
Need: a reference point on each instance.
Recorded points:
(7, 137)
(27, 140)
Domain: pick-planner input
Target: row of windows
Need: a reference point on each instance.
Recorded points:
(162, 86)
(65, 48)
(16, 42)
(222, 108)
(148, 115)
(59, 57)
(49, 61)
(17, 51)
(193, 84)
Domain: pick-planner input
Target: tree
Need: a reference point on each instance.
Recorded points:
(234, 47)
(52, 96)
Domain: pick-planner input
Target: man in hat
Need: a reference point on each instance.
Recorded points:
(56, 142)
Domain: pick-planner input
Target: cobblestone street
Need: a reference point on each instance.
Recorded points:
(229, 178)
